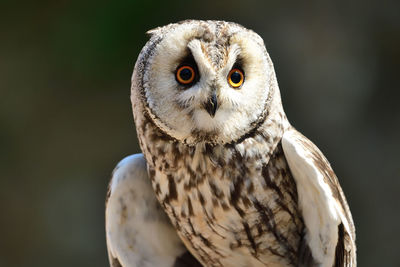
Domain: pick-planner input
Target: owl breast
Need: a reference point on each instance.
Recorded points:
(232, 205)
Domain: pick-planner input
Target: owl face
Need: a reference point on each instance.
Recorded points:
(204, 81)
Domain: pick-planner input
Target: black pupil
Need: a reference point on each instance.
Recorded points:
(185, 74)
(236, 77)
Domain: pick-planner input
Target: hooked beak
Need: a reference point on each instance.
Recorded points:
(211, 105)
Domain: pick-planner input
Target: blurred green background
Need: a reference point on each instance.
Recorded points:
(65, 114)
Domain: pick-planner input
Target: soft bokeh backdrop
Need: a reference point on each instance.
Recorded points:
(65, 115)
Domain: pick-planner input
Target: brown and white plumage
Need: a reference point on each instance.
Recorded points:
(240, 185)
(138, 231)
(329, 227)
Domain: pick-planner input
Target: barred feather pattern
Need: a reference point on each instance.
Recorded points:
(233, 204)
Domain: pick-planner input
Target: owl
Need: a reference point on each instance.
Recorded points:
(224, 179)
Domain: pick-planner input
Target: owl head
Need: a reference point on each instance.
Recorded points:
(204, 81)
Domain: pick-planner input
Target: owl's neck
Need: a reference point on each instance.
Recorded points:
(260, 141)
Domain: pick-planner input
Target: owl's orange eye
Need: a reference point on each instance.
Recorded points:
(235, 78)
(185, 74)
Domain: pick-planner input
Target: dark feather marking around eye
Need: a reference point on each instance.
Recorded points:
(238, 63)
(188, 60)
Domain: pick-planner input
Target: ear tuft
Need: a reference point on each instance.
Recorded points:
(153, 32)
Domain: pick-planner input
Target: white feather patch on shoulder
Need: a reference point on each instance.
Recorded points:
(319, 207)
(137, 230)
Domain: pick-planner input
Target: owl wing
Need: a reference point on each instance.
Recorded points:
(330, 233)
(138, 231)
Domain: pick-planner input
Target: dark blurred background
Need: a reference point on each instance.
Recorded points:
(65, 114)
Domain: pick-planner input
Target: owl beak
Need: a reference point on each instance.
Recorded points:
(211, 105)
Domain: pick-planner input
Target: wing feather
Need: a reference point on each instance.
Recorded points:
(330, 232)
(138, 232)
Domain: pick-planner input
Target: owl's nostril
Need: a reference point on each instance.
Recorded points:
(211, 105)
